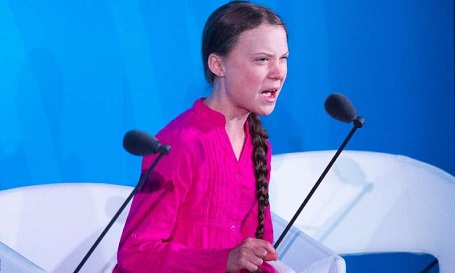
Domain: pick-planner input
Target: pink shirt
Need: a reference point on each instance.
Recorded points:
(199, 202)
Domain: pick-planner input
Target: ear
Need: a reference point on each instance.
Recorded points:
(215, 65)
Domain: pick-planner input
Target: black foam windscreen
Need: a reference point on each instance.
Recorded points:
(140, 143)
(340, 108)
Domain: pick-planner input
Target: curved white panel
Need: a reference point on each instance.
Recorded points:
(55, 225)
(368, 202)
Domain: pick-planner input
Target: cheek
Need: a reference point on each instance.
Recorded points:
(253, 75)
(285, 69)
(247, 76)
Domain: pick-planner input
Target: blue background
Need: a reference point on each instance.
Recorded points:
(76, 75)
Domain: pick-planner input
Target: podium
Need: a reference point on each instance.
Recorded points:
(369, 202)
(303, 253)
(13, 262)
(54, 226)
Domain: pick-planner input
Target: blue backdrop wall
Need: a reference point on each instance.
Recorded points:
(76, 75)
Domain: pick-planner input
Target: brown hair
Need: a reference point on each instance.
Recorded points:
(220, 34)
(225, 24)
(260, 148)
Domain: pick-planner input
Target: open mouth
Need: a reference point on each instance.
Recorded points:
(270, 94)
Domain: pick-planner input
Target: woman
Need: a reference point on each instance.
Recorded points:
(205, 207)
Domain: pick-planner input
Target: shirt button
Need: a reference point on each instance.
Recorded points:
(233, 228)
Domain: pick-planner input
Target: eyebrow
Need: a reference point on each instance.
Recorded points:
(269, 54)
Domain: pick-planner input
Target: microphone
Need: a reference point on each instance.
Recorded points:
(137, 143)
(140, 143)
(340, 108)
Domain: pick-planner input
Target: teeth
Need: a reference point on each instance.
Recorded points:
(269, 93)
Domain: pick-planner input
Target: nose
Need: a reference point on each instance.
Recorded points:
(278, 69)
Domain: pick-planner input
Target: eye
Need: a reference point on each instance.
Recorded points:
(262, 59)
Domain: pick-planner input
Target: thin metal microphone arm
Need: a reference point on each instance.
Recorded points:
(358, 123)
(122, 207)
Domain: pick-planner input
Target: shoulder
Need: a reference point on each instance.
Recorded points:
(181, 131)
(183, 134)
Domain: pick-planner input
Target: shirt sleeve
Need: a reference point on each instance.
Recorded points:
(146, 243)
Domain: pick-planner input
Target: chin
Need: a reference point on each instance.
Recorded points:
(265, 111)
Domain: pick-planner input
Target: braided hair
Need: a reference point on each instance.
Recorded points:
(260, 148)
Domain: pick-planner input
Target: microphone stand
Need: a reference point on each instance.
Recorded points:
(358, 123)
(122, 207)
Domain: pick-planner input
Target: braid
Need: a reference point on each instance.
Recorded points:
(260, 148)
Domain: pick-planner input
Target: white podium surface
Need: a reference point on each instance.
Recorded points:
(55, 225)
(13, 262)
(304, 254)
(369, 202)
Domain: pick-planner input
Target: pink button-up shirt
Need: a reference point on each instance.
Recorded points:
(199, 203)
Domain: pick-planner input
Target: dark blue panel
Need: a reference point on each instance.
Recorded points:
(391, 262)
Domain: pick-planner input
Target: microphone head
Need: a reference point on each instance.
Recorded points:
(140, 143)
(340, 108)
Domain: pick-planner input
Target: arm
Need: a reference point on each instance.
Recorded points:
(146, 244)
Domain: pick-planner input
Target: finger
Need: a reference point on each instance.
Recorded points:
(269, 254)
(255, 260)
(264, 244)
(249, 260)
(252, 268)
(259, 252)
(271, 257)
(254, 265)
(269, 247)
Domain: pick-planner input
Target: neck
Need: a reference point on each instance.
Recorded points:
(235, 120)
(236, 133)
(234, 115)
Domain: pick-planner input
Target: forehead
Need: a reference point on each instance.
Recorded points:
(265, 37)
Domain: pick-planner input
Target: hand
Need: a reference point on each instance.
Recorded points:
(271, 256)
(250, 254)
